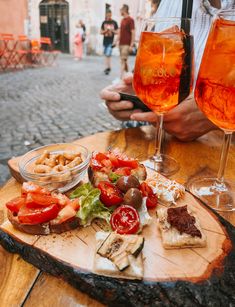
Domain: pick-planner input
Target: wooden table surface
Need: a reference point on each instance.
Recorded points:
(22, 283)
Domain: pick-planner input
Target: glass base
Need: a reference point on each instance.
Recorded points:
(165, 165)
(220, 197)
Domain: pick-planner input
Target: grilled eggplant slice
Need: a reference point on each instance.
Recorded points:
(117, 248)
(136, 246)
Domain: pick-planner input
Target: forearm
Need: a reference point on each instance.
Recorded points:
(132, 37)
(117, 39)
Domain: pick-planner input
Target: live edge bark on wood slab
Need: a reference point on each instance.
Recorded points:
(212, 287)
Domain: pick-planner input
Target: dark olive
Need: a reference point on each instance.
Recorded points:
(133, 197)
(127, 182)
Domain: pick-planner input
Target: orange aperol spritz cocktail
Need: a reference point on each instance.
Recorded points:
(215, 96)
(215, 88)
(163, 75)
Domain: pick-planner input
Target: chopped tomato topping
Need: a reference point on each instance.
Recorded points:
(123, 171)
(112, 160)
(35, 200)
(65, 214)
(97, 160)
(39, 205)
(74, 203)
(38, 215)
(128, 163)
(30, 187)
(147, 191)
(62, 199)
(15, 204)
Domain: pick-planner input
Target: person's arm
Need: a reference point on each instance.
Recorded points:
(117, 37)
(102, 30)
(132, 38)
(132, 27)
(186, 122)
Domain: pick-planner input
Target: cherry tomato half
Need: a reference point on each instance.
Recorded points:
(38, 215)
(110, 195)
(146, 189)
(125, 220)
(15, 204)
(151, 201)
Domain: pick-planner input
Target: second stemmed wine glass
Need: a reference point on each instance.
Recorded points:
(163, 75)
(215, 96)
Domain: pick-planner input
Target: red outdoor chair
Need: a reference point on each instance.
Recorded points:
(49, 55)
(36, 53)
(22, 51)
(1, 51)
(8, 51)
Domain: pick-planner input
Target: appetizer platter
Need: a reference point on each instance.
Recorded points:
(124, 234)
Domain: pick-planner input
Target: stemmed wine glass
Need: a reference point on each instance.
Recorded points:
(163, 75)
(215, 96)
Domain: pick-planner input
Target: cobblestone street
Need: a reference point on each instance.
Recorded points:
(54, 104)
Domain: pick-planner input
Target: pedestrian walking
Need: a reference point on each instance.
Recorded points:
(126, 37)
(108, 28)
(84, 38)
(78, 43)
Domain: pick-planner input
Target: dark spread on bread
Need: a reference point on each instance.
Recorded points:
(183, 221)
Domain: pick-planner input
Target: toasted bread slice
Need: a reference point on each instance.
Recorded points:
(172, 238)
(44, 228)
(96, 176)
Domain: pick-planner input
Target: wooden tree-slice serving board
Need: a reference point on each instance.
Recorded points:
(186, 277)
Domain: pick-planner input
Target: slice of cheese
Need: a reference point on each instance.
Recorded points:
(171, 237)
(168, 191)
(106, 267)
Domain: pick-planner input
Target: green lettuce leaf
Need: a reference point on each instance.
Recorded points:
(90, 205)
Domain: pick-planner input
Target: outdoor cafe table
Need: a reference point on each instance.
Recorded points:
(22, 283)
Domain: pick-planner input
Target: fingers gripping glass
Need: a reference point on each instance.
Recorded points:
(215, 96)
(163, 76)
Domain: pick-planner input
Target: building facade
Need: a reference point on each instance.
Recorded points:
(58, 18)
(14, 16)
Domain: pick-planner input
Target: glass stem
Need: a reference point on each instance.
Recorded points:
(158, 141)
(224, 156)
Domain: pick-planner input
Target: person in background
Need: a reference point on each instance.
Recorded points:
(84, 38)
(83, 27)
(126, 37)
(78, 45)
(108, 28)
(185, 121)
